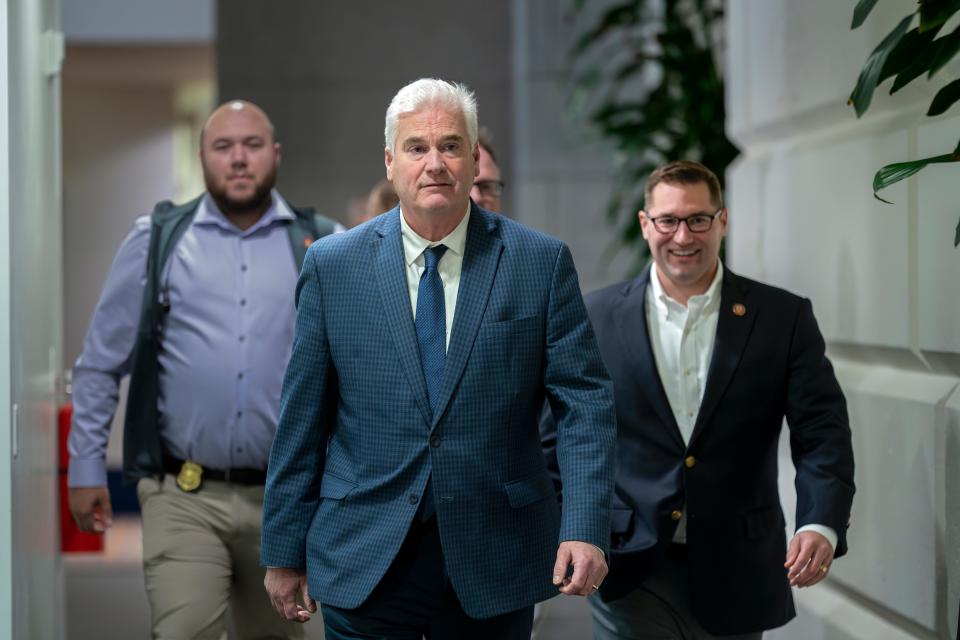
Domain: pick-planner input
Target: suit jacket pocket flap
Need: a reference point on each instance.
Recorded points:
(336, 488)
(529, 489)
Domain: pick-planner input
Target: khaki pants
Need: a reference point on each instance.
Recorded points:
(201, 552)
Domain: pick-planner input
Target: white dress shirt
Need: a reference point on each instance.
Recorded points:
(449, 266)
(682, 339)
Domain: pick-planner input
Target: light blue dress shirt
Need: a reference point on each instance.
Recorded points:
(225, 344)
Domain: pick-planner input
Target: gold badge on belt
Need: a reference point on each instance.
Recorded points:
(190, 476)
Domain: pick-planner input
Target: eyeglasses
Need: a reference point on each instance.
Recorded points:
(697, 223)
(489, 188)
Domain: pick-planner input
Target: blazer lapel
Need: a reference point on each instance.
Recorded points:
(735, 321)
(635, 336)
(387, 246)
(481, 256)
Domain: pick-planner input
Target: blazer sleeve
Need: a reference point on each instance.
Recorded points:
(820, 439)
(580, 395)
(307, 409)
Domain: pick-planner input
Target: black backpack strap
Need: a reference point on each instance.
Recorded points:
(168, 223)
(307, 228)
(142, 448)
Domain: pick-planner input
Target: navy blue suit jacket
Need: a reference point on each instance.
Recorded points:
(357, 440)
(767, 364)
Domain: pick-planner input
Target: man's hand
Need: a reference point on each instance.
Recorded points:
(90, 507)
(283, 586)
(589, 568)
(808, 559)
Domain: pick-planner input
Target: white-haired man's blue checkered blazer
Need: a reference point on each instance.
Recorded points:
(357, 440)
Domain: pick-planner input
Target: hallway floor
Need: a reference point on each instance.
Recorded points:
(106, 599)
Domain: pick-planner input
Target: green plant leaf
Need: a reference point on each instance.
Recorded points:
(947, 47)
(861, 11)
(870, 74)
(944, 98)
(906, 53)
(933, 13)
(919, 65)
(893, 173)
(616, 17)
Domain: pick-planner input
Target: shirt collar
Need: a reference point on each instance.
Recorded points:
(700, 304)
(414, 244)
(208, 213)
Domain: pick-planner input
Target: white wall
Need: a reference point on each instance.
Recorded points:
(6, 406)
(882, 281)
(563, 172)
(31, 584)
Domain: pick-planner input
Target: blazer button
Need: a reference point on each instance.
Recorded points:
(434, 440)
(676, 515)
(690, 462)
(414, 499)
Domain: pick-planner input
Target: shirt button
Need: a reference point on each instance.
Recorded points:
(434, 440)
(240, 376)
(676, 515)
(689, 414)
(414, 499)
(243, 267)
(243, 302)
(686, 372)
(690, 462)
(242, 338)
(239, 449)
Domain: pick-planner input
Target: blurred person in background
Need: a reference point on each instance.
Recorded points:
(198, 309)
(487, 184)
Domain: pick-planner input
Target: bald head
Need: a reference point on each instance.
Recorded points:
(235, 109)
(240, 157)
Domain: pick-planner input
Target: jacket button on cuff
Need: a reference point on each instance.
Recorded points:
(690, 462)
(676, 515)
(414, 499)
(435, 441)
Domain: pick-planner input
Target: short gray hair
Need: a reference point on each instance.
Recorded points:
(429, 91)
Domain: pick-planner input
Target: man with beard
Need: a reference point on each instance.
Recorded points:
(198, 309)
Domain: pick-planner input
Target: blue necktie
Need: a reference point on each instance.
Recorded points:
(431, 325)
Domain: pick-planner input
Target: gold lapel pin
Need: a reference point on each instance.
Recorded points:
(739, 310)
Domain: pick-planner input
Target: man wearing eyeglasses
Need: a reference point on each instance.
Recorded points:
(706, 365)
(487, 185)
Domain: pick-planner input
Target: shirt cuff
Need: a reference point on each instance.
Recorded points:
(87, 472)
(823, 530)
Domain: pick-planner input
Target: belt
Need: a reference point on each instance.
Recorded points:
(245, 476)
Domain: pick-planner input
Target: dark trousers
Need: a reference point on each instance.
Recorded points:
(660, 609)
(415, 599)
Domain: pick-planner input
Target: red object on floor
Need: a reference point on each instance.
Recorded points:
(72, 540)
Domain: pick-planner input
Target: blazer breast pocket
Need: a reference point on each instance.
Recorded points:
(518, 341)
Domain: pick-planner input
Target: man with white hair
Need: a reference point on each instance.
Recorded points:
(406, 488)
